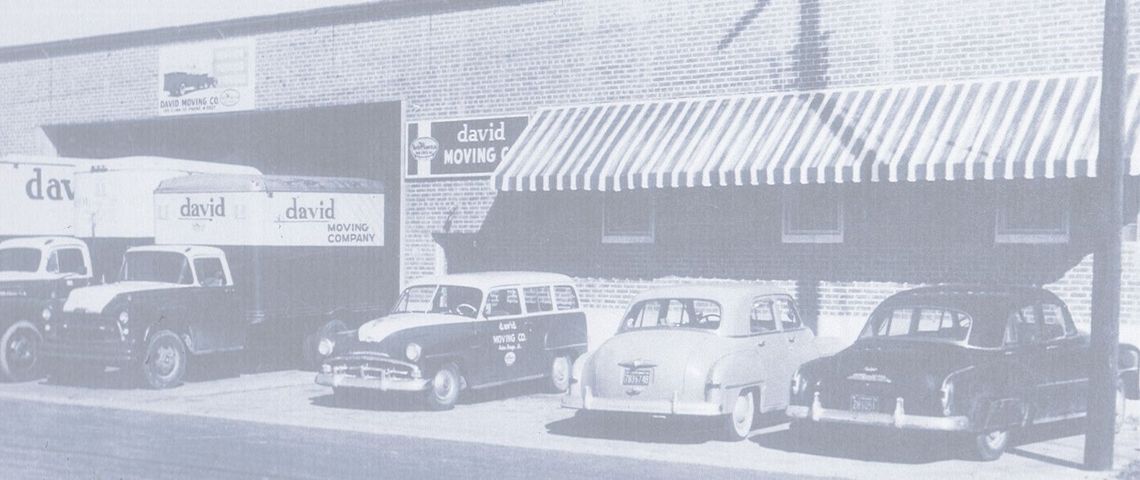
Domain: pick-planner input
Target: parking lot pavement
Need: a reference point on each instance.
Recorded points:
(521, 417)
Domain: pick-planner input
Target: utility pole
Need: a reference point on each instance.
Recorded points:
(1109, 187)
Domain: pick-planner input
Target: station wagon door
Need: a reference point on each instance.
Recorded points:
(503, 339)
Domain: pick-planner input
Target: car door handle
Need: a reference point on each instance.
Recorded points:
(791, 339)
(762, 343)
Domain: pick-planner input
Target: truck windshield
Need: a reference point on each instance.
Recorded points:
(919, 323)
(445, 299)
(19, 259)
(165, 267)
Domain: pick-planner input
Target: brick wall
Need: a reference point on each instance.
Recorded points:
(523, 55)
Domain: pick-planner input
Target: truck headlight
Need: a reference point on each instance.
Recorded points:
(46, 314)
(412, 351)
(947, 392)
(325, 346)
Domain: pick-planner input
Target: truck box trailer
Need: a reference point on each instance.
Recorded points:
(239, 261)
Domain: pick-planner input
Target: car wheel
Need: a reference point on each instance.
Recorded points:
(165, 361)
(19, 358)
(559, 374)
(988, 446)
(443, 391)
(738, 423)
(310, 348)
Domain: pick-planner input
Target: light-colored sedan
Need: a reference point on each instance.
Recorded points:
(714, 351)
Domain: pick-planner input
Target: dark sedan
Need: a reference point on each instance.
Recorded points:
(979, 361)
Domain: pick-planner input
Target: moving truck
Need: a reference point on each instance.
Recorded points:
(239, 261)
(41, 261)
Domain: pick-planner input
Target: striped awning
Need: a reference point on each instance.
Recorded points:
(1015, 128)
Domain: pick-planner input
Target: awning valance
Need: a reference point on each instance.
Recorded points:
(1013, 128)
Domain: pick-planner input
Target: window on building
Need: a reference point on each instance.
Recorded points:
(812, 216)
(628, 217)
(1037, 212)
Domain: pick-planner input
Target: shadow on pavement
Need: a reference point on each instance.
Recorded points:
(205, 368)
(402, 402)
(893, 446)
(646, 429)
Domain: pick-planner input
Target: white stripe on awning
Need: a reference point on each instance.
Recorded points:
(1020, 128)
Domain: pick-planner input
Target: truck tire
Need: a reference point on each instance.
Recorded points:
(310, 353)
(19, 360)
(164, 363)
(443, 391)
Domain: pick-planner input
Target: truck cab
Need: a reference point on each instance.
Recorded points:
(36, 274)
(170, 301)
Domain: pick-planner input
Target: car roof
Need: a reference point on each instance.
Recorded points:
(18, 159)
(188, 250)
(137, 163)
(721, 293)
(221, 183)
(485, 280)
(976, 295)
(40, 242)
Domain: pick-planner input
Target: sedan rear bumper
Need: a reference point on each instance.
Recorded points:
(585, 400)
(898, 419)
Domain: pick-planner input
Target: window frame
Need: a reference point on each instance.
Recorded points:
(619, 239)
(1005, 235)
(550, 296)
(487, 302)
(790, 235)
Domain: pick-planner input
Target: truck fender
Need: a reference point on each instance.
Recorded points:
(164, 324)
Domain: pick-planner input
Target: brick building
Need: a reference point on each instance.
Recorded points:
(340, 91)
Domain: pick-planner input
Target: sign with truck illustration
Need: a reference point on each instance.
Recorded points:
(206, 77)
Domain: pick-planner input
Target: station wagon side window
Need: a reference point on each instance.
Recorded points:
(538, 299)
(70, 260)
(786, 313)
(1053, 324)
(502, 303)
(210, 272)
(565, 298)
(761, 319)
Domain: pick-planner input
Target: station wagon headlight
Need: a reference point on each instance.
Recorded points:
(412, 351)
(325, 346)
(46, 314)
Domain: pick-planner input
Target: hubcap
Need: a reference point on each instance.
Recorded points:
(166, 360)
(560, 369)
(443, 385)
(742, 414)
(995, 440)
(21, 351)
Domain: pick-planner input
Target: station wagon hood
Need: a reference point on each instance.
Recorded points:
(96, 298)
(377, 330)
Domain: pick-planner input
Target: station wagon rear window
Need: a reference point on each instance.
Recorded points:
(673, 313)
(19, 260)
(919, 323)
(444, 299)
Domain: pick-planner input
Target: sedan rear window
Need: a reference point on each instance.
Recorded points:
(673, 313)
(922, 323)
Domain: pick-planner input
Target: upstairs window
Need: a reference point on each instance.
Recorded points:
(1036, 212)
(812, 216)
(628, 217)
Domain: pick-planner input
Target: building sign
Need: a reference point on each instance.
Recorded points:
(207, 77)
(36, 197)
(283, 219)
(460, 147)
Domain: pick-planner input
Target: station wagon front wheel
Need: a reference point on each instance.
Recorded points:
(988, 446)
(165, 361)
(443, 391)
(738, 423)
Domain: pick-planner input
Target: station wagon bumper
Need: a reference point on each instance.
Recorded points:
(898, 419)
(372, 372)
(584, 399)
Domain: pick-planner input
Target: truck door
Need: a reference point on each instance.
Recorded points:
(221, 324)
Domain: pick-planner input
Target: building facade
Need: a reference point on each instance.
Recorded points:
(338, 91)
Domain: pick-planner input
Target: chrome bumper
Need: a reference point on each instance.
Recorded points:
(584, 399)
(383, 384)
(898, 419)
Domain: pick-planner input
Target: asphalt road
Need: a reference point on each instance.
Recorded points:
(39, 440)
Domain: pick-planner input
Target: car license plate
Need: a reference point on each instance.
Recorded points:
(864, 403)
(637, 378)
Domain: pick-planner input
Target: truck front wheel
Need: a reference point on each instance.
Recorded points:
(18, 361)
(165, 361)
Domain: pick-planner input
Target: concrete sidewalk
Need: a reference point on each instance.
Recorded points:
(519, 417)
